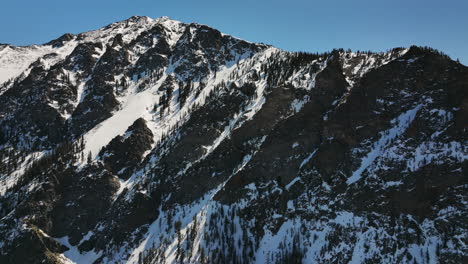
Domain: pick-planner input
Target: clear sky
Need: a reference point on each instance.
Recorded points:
(295, 25)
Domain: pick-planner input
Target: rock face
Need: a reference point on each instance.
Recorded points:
(155, 141)
(125, 152)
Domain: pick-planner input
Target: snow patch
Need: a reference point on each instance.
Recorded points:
(401, 124)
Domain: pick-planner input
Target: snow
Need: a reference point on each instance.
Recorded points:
(366, 63)
(297, 104)
(326, 186)
(425, 253)
(80, 93)
(346, 219)
(401, 124)
(136, 105)
(16, 60)
(270, 242)
(359, 251)
(10, 180)
(125, 184)
(393, 183)
(292, 182)
(174, 27)
(431, 152)
(304, 162)
(201, 210)
(412, 60)
(74, 255)
(128, 29)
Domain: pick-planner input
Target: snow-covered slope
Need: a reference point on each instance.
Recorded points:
(16, 61)
(157, 141)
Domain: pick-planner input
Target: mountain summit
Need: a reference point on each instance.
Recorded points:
(156, 141)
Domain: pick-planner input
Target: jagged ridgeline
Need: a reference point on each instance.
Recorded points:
(156, 141)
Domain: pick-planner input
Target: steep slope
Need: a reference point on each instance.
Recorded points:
(156, 141)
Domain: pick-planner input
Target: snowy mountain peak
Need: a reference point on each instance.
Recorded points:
(156, 141)
(140, 19)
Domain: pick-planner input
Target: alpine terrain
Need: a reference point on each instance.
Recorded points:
(157, 141)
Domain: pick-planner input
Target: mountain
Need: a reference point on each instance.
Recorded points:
(156, 141)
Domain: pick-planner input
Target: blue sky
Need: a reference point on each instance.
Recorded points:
(293, 25)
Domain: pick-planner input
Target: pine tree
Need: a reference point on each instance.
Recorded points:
(90, 157)
(177, 226)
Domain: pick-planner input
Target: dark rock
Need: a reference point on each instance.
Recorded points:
(126, 151)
